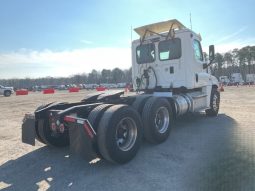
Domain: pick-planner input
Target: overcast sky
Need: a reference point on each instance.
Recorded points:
(63, 37)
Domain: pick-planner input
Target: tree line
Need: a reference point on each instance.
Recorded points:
(234, 61)
(115, 76)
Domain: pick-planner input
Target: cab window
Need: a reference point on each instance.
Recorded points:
(170, 49)
(198, 50)
(145, 53)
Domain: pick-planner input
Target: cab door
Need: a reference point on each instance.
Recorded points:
(200, 78)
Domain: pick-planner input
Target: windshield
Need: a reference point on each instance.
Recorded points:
(145, 53)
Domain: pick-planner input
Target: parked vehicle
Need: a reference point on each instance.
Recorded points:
(224, 80)
(250, 79)
(6, 91)
(170, 77)
(237, 79)
(91, 86)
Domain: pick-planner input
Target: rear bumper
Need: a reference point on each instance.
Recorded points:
(82, 136)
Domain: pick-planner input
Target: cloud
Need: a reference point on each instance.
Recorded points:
(32, 63)
(232, 35)
(86, 42)
(238, 43)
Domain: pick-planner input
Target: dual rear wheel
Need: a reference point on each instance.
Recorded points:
(121, 128)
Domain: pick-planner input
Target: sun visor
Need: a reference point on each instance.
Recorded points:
(159, 27)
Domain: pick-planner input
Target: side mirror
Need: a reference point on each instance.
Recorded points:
(211, 56)
(211, 53)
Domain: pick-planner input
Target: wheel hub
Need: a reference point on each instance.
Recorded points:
(126, 134)
(162, 119)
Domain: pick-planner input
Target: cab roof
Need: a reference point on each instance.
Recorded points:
(159, 27)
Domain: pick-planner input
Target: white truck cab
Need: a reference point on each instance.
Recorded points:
(169, 57)
(175, 54)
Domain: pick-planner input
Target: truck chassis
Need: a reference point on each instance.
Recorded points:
(108, 125)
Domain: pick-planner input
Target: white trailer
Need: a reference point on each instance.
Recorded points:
(250, 78)
(237, 79)
(170, 78)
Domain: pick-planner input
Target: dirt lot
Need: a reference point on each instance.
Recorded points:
(201, 153)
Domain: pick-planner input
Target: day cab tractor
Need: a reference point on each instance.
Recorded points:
(170, 78)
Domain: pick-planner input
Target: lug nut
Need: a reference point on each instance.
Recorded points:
(53, 127)
(61, 128)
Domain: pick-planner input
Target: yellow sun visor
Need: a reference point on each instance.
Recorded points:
(159, 27)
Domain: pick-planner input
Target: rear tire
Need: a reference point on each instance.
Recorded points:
(50, 138)
(7, 93)
(37, 135)
(139, 103)
(94, 118)
(214, 103)
(119, 134)
(45, 135)
(96, 114)
(157, 119)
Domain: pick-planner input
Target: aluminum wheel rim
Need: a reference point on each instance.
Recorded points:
(215, 102)
(126, 134)
(162, 119)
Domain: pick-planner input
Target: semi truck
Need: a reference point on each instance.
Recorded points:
(170, 79)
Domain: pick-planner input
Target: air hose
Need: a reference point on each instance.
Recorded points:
(146, 76)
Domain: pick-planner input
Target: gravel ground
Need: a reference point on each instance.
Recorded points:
(201, 153)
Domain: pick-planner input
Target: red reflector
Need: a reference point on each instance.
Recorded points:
(87, 128)
(69, 119)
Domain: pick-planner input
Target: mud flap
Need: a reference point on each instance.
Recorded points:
(81, 142)
(28, 129)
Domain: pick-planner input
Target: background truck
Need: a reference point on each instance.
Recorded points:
(237, 79)
(250, 78)
(170, 80)
(224, 80)
(6, 91)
